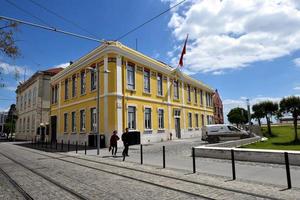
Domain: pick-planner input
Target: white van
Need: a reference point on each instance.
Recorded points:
(217, 132)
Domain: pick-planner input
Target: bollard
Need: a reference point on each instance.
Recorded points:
(85, 148)
(194, 160)
(62, 145)
(141, 154)
(76, 146)
(68, 145)
(164, 157)
(287, 166)
(233, 164)
(56, 144)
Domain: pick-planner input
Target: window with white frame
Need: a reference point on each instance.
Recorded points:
(74, 85)
(131, 117)
(65, 122)
(34, 96)
(147, 118)
(147, 80)
(197, 120)
(66, 88)
(130, 77)
(93, 79)
(159, 84)
(195, 95)
(29, 98)
(161, 119)
(176, 89)
(190, 120)
(189, 93)
(82, 120)
(93, 120)
(82, 82)
(73, 122)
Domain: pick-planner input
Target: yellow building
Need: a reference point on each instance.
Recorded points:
(153, 100)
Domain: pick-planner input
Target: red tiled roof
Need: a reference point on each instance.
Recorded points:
(54, 70)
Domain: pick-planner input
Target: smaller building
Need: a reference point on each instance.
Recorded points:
(218, 108)
(33, 105)
(3, 116)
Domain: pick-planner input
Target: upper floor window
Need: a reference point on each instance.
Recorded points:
(82, 82)
(190, 120)
(54, 93)
(159, 85)
(147, 80)
(130, 77)
(93, 80)
(189, 93)
(93, 120)
(25, 100)
(65, 122)
(73, 122)
(201, 97)
(74, 85)
(195, 94)
(147, 118)
(29, 98)
(66, 88)
(176, 89)
(34, 96)
(82, 120)
(21, 102)
(131, 117)
(161, 119)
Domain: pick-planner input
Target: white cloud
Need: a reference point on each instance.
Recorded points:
(231, 34)
(11, 69)
(297, 88)
(297, 62)
(63, 65)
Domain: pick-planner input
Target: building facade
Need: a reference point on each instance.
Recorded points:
(33, 105)
(153, 100)
(218, 108)
(3, 116)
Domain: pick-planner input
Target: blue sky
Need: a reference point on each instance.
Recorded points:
(245, 50)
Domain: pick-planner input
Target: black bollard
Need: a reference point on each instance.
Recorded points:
(233, 164)
(141, 154)
(164, 157)
(68, 145)
(287, 167)
(76, 146)
(62, 145)
(194, 160)
(85, 148)
(56, 144)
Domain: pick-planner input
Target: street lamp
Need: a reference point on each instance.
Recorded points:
(97, 71)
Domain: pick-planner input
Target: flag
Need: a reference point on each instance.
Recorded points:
(183, 52)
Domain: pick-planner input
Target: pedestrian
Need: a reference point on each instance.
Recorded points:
(114, 143)
(125, 139)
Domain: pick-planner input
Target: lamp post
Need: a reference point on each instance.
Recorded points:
(249, 115)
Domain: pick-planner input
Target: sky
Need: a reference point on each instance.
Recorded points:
(245, 49)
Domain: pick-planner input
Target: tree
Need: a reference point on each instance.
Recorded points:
(291, 105)
(10, 122)
(238, 116)
(257, 113)
(268, 109)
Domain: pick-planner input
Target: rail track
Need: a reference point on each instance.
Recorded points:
(150, 173)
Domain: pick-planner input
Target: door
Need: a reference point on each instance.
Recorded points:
(53, 128)
(177, 127)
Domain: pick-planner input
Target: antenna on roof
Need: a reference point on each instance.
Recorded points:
(136, 44)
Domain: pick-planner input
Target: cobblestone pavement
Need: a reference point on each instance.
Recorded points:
(178, 156)
(7, 191)
(112, 179)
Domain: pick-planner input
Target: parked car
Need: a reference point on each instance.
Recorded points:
(3, 136)
(222, 132)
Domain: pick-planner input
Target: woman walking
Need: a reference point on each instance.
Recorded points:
(114, 143)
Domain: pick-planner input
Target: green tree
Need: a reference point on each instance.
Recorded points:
(257, 113)
(10, 122)
(269, 109)
(238, 116)
(291, 105)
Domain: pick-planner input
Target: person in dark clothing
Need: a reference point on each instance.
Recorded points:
(114, 143)
(125, 139)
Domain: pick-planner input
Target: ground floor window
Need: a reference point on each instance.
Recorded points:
(93, 119)
(131, 117)
(148, 118)
(66, 122)
(82, 120)
(161, 119)
(190, 120)
(202, 120)
(73, 122)
(197, 120)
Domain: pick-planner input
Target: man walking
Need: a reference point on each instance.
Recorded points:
(125, 139)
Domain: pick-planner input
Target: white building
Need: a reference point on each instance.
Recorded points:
(3, 116)
(33, 105)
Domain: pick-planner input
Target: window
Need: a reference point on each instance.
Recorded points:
(20, 125)
(202, 120)
(65, 122)
(195, 94)
(24, 124)
(131, 117)
(130, 77)
(159, 84)
(66, 89)
(196, 120)
(21, 107)
(189, 93)
(93, 79)
(147, 118)
(190, 120)
(82, 82)
(33, 122)
(73, 122)
(74, 85)
(209, 119)
(82, 120)
(176, 90)
(161, 119)
(54, 94)
(201, 97)
(28, 123)
(232, 128)
(93, 120)
(29, 98)
(25, 100)
(34, 96)
(147, 80)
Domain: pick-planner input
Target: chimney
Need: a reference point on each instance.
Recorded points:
(71, 62)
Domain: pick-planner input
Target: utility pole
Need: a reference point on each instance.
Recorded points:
(249, 114)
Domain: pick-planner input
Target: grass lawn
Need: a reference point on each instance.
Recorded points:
(282, 139)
